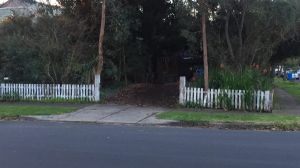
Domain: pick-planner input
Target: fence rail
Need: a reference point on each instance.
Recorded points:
(47, 92)
(223, 98)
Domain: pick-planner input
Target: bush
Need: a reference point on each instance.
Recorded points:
(7, 97)
(247, 79)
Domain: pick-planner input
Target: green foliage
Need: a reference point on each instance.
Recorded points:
(61, 100)
(63, 48)
(111, 89)
(6, 97)
(14, 97)
(285, 122)
(193, 105)
(292, 88)
(247, 79)
(255, 28)
(225, 101)
(23, 110)
(292, 62)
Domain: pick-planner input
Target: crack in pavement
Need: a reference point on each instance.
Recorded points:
(114, 113)
(146, 117)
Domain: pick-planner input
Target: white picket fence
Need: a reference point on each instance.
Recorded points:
(47, 92)
(222, 98)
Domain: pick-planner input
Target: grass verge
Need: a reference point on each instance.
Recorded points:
(292, 88)
(13, 111)
(283, 122)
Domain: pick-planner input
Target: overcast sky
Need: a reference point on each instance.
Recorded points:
(51, 1)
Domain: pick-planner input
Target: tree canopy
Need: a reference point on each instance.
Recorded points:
(62, 48)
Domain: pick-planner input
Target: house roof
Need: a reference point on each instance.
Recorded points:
(17, 3)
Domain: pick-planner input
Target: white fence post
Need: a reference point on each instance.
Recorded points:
(97, 87)
(182, 84)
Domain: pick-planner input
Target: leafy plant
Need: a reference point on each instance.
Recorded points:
(8, 97)
(225, 101)
(247, 79)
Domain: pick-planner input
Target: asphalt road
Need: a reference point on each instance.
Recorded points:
(75, 145)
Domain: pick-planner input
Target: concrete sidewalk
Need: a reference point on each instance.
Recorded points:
(123, 114)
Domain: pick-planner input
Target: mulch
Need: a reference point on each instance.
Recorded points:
(163, 95)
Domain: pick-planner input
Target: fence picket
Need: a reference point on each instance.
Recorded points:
(187, 94)
(232, 97)
(210, 98)
(236, 94)
(213, 98)
(201, 98)
(191, 94)
(198, 97)
(68, 92)
(194, 95)
(37, 92)
(218, 101)
(267, 99)
(262, 100)
(258, 100)
(240, 99)
(72, 92)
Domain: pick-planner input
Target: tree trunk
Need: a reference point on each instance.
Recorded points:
(228, 37)
(101, 39)
(241, 28)
(99, 67)
(205, 60)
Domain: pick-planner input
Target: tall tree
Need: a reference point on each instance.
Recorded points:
(204, 43)
(100, 49)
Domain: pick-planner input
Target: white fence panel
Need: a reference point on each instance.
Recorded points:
(13, 91)
(218, 98)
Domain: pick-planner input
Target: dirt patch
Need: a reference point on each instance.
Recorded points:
(15, 118)
(165, 95)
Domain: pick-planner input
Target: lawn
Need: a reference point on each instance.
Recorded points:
(292, 88)
(212, 117)
(25, 110)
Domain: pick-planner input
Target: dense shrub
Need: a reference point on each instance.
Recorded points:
(247, 79)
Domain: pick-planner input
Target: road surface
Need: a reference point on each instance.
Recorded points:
(35, 144)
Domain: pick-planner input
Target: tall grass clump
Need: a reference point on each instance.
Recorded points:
(247, 79)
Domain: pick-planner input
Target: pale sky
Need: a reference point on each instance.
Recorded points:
(51, 1)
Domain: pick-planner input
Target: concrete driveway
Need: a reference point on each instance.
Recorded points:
(125, 114)
(286, 103)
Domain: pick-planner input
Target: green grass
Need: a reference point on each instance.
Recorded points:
(292, 88)
(25, 110)
(205, 117)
